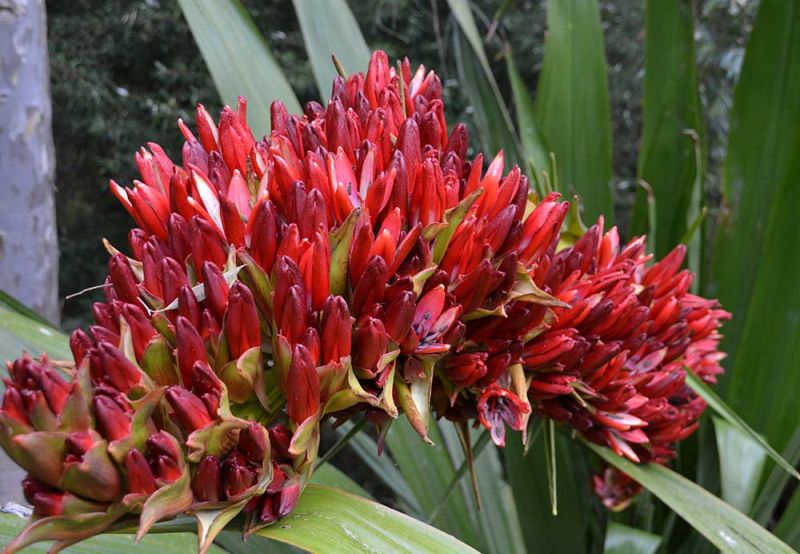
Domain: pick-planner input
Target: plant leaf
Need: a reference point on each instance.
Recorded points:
(329, 475)
(724, 526)
(533, 146)
(572, 106)
(239, 59)
(733, 418)
(741, 460)
(672, 123)
(329, 520)
(753, 254)
(428, 470)
(772, 491)
(383, 467)
(172, 543)
(18, 333)
(499, 522)
(494, 127)
(328, 27)
(528, 477)
(621, 539)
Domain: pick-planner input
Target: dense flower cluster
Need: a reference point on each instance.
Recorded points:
(353, 261)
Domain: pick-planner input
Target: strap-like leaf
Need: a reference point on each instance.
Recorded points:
(328, 28)
(724, 526)
(239, 59)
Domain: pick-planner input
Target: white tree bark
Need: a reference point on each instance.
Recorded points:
(28, 237)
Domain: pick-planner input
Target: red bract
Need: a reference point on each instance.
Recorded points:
(351, 261)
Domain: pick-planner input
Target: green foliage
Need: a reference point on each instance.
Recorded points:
(572, 106)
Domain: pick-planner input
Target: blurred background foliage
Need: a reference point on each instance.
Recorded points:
(122, 72)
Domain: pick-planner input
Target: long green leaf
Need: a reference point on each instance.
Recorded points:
(533, 147)
(494, 126)
(239, 59)
(328, 27)
(328, 520)
(177, 543)
(572, 106)
(428, 470)
(672, 121)
(788, 528)
(545, 533)
(498, 517)
(329, 475)
(717, 404)
(384, 469)
(754, 263)
(724, 526)
(741, 460)
(621, 539)
(772, 492)
(19, 332)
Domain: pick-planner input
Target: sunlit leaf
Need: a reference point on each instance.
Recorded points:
(741, 460)
(724, 526)
(329, 520)
(717, 404)
(621, 539)
(328, 27)
(239, 59)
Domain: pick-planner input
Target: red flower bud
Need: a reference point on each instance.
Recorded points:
(190, 348)
(465, 369)
(253, 442)
(112, 422)
(140, 478)
(207, 482)
(189, 410)
(302, 386)
(216, 289)
(242, 327)
(141, 328)
(79, 343)
(120, 372)
(336, 330)
(123, 279)
(370, 340)
(236, 476)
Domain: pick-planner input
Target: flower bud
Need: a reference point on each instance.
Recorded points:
(207, 482)
(242, 327)
(189, 410)
(302, 386)
(140, 478)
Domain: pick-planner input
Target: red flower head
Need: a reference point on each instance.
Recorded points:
(353, 260)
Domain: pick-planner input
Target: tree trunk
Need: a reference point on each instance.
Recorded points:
(28, 241)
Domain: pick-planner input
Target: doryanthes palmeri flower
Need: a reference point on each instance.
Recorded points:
(354, 260)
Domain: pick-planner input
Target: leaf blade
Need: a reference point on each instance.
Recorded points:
(328, 27)
(239, 59)
(327, 520)
(724, 526)
(572, 105)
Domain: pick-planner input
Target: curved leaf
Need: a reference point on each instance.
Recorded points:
(328, 27)
(494, 126)
(754, 257)
(672, 122)
(328, 520)
(724, 526)
(572, 105)
(20, 331)
(239, 59)
(621, 539)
